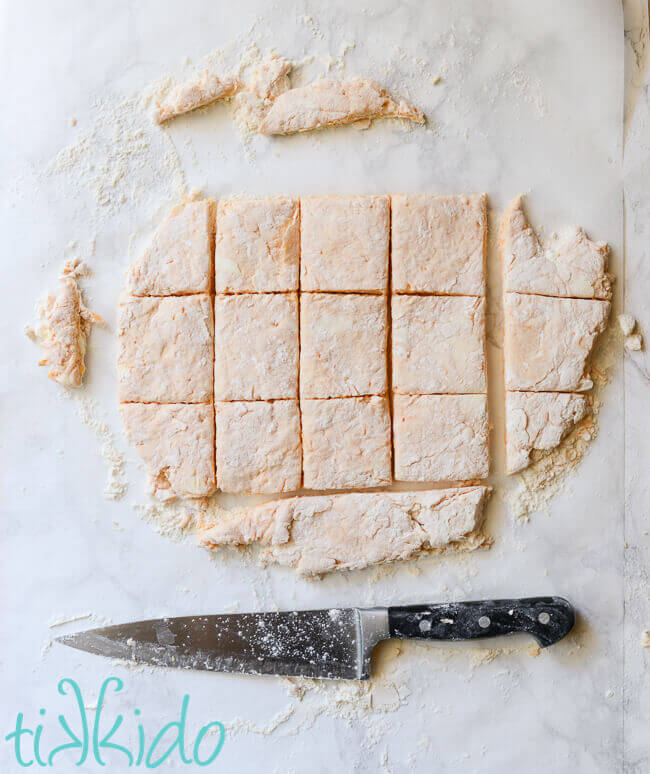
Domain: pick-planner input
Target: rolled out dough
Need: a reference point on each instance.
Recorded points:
(351, 531)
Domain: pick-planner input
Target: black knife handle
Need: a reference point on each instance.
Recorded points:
(547, 619)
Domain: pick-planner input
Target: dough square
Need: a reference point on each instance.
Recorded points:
(178, 258)
(538, 421)
(440, 437)
(257, 247)
(344, 243)
(547, 341)
(176, 443)
(166, 349)
(569, 265)
(258, 446)
(438, 344)
(256, 346)
(346, 443)
(343, 341)
(438, 244)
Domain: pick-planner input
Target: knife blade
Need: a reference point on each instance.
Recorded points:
(332, 644)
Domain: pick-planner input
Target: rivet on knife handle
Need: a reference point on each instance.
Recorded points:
(547, 619)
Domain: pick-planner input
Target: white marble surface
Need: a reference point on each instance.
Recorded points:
(530, 99)
(636, 169)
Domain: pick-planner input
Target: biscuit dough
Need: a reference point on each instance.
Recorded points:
(62, 330)
(548, 341)
(194, 93)
(258, 446)
(538, 421)
(257, 246)
(176, 442)
(178, 258)
(344, 243)
(332, 103)
(256, 346)
(438, 344)
(351, 531)
(569, 266)
(343, 342)
(166, 349)
(269, 80)
(438, 244)
(346, 443)
(440, 437)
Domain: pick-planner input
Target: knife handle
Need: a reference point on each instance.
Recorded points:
(547, 619)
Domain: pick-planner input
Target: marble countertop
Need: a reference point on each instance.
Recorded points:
(530, 99)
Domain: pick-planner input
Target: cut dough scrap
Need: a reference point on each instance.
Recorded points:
(346, 443)
(438, 344)
(178, 258)
(344, 243)
(269, 80)
(166, 349)
(332, 103)
(351, 531)
(256, 346)
(626, 323)
(258, 446)
(570, 266)
(63, 326)
(538, 421)
(257, 246)
(548, 341)
(194, 93)
(440, 437)
(439, 244)
(176, 442)
(343, 345)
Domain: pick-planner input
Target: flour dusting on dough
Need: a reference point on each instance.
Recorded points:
(199, 91)
(333, 103)
(315, 535)
(269, 79)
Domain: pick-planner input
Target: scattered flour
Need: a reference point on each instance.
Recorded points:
(121, 159)
(369, 703)
(533, 488)
(365, 702)
(116, 483)
(179, 519)
(172, 519)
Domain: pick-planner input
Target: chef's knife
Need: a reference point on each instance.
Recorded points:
(334, 643)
